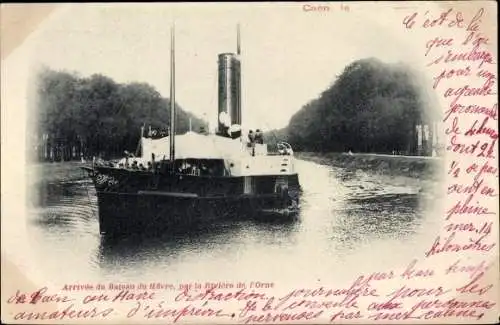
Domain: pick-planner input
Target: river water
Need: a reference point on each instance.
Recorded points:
(349, 219)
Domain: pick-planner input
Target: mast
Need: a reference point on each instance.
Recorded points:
(172, 96)
(238, 48)
(238, 53)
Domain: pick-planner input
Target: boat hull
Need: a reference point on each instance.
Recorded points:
(168, 203)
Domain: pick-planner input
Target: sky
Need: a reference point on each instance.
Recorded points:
(289, 55)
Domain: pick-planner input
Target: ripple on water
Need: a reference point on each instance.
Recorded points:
(342, 211)
(65, 206)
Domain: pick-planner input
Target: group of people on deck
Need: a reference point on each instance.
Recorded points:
(136, 165)
(256, 137)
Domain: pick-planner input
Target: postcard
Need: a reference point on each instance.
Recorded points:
(250, 163)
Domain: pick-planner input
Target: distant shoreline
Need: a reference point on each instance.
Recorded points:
(411, 166)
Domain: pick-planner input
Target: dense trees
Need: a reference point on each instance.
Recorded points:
(97, 116)
(371, 107)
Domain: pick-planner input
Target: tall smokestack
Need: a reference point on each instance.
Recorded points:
(229, 111)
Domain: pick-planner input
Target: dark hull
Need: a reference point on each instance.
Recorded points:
(121, 213)
(131, 202)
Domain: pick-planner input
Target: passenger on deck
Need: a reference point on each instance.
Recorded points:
(251, 141)
(251, 137)
(150, 166)
(259, 137)
(128, 154)
(134, 165)
(194, 171)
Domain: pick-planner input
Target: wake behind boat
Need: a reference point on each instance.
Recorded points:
(179, 180)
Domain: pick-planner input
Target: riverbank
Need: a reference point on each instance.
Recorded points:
(411, 166)
(51, 172)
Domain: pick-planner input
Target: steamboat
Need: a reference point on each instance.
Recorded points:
(178, 180)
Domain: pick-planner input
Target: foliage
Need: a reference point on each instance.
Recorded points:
(371, 107)
(98, 116)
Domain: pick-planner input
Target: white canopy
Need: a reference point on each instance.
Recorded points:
(194, 145)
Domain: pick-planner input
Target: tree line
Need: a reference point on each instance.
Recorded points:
(371, 107)
(96, 116)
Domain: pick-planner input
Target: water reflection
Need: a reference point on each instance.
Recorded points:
(139, 248)
(357, 207)
(367, 219)
(220, 237)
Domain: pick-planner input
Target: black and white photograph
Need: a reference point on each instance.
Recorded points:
(250, 163)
